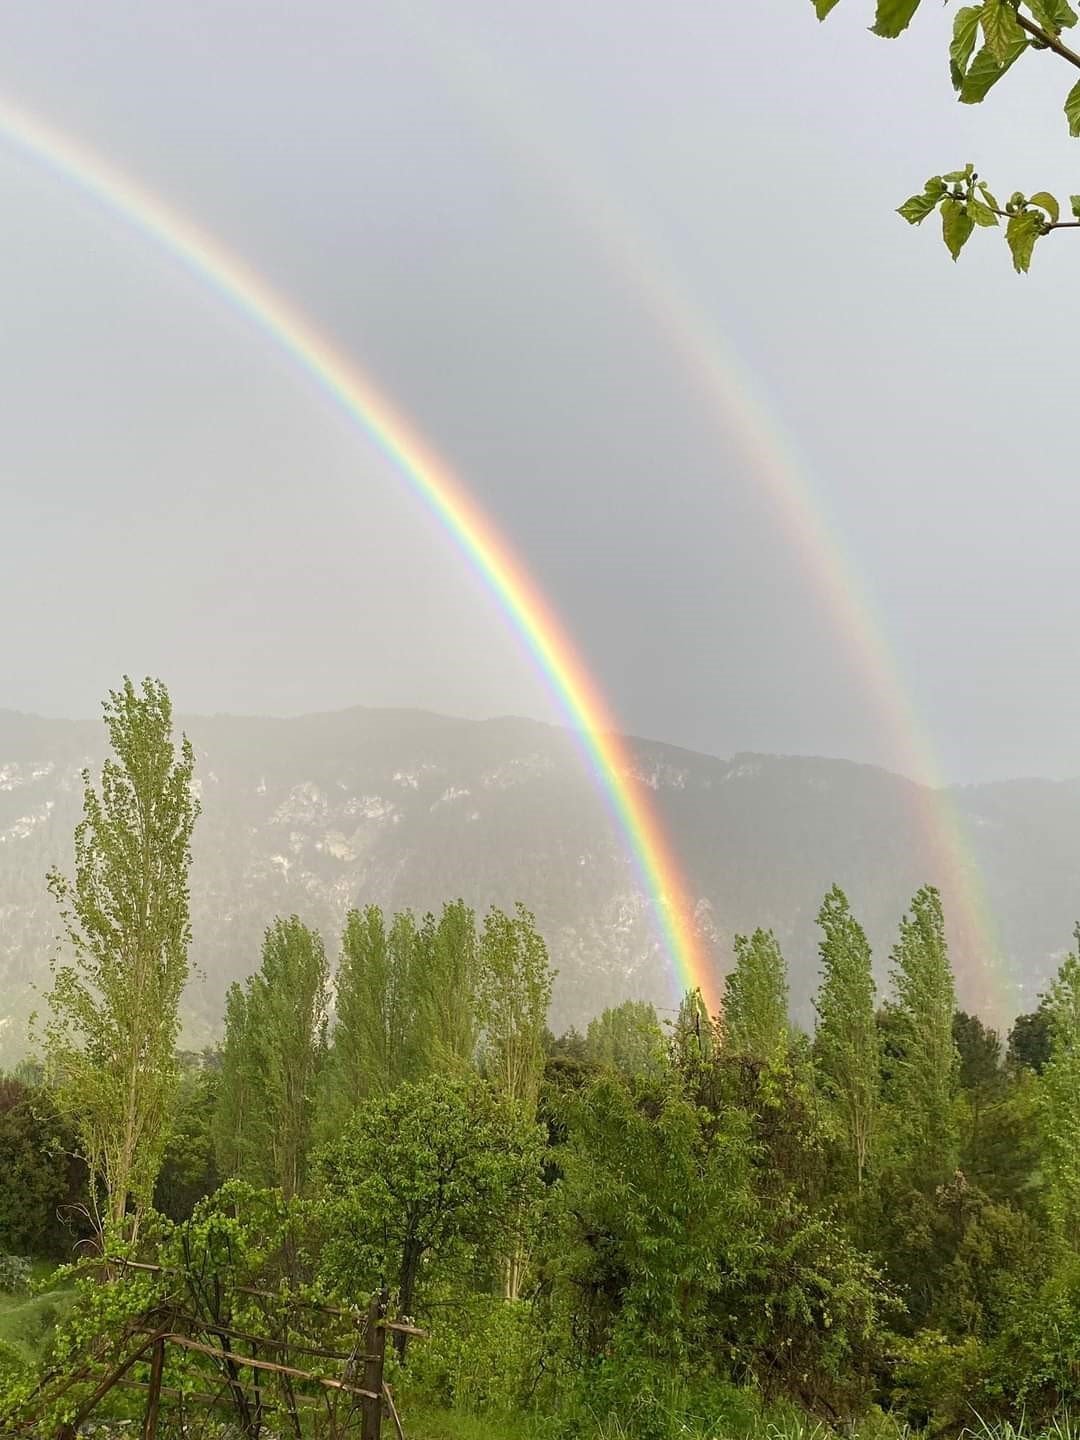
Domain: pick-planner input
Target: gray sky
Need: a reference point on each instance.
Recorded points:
(453, 193)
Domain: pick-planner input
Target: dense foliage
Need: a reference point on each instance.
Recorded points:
(624, 1228)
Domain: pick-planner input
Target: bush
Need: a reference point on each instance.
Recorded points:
(15, 1272)
(943, 1386)
(483, 1357)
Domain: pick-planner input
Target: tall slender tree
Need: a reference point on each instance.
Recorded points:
(275, 1046)
(447, 991)
(847, 1049)
(238, 1115)
(125, 912)
(926, 1071)
(515, 993)
(1059, 1100)
(374, 1041)
(755, 1006)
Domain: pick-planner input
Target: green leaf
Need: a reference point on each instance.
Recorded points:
(918, 208)
(956, 225)
(893, 17)
(1048, 203)
(980, 213)
(1001, 28)
(823, 7)
(1023, 229)
(985, 71)
(1053, 15)
(1074, 201)
(990, 199)
(1072, 109)
(964, 35)
(935, 187)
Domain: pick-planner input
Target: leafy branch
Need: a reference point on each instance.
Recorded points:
(1007, 28)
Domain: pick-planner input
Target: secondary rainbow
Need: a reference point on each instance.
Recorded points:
(729, 392)
(428, 475)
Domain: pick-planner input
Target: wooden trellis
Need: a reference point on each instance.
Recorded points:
(347, 1396)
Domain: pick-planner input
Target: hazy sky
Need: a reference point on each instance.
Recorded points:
(499, 207)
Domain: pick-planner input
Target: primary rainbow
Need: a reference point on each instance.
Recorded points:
(432, 480)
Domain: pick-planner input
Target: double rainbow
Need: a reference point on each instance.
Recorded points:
(481, 75)
(433, 481)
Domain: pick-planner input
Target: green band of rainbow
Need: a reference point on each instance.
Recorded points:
(488, 551)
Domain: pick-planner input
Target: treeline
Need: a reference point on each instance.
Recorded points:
(411, 999)
(647, 1223)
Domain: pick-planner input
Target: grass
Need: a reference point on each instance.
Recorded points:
(430, 1423)
(27, 1320)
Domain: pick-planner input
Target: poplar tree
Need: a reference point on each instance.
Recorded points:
(926, 1073)
(1059, 1100)
(447, 990)
(238, 1113)
(374, 1039)
(111, 1040)
(755, 1005)
(275, 1046)
(847, 1049)
(515, 993)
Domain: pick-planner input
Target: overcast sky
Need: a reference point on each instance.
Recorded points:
(497, 207)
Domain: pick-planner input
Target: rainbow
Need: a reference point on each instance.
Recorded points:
(486, 80)
(433, 481)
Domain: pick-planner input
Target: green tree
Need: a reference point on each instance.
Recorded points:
(755, 1005)
(1029, 1041)
(514, 996)
(987, 41)
(189, 1170)
(422, 1186)
(238, 1111)
(926, 1074)
(628, 1038)
(112, 1037)
(447, 1015)
(275, 1047)
(847, 1050)
(978, 1049)
(694, 1035)
(373, 1047)
(1059, 1100)
(41, 1178)
(515, 993)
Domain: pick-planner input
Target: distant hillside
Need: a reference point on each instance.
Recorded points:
(405, 808)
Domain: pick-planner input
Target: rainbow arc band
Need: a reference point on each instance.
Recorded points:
(529, 612)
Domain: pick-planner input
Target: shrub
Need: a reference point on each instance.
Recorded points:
(15, 1271)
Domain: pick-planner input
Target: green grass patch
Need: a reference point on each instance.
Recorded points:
(431, 1423)
(28, 1320)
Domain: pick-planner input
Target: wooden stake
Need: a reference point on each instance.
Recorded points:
(374, 1358)
(153, 1398)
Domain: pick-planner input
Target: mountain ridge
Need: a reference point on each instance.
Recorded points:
(406, 808)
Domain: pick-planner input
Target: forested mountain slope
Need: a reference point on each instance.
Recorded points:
(405, 808)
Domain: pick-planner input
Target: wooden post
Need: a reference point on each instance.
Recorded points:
(153, 1398)
(374, 1358)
